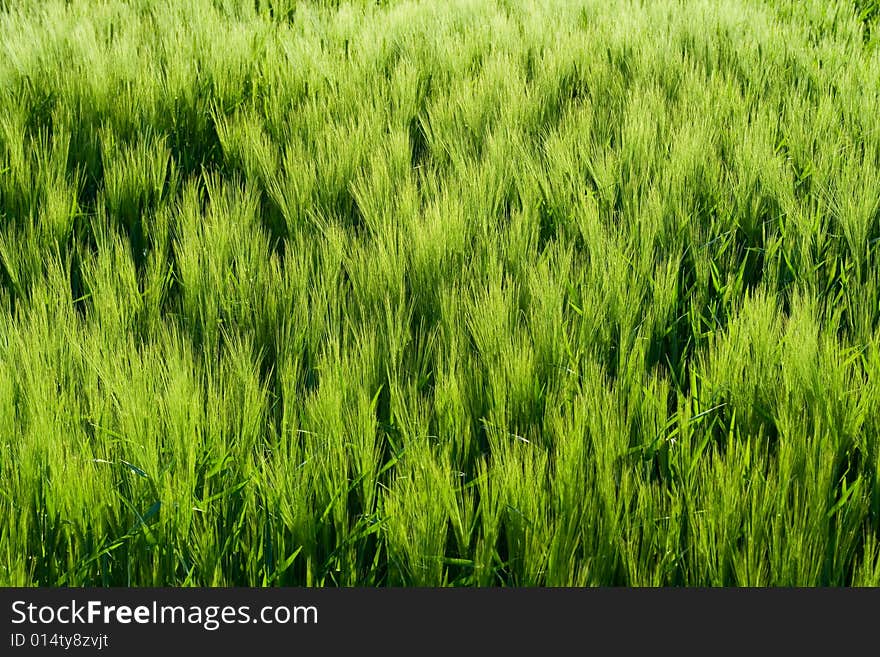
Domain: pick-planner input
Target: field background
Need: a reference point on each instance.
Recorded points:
(439, 293)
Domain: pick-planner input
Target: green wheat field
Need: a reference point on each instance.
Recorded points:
(415, 293)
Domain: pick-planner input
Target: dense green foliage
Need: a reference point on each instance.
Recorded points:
(427, 293)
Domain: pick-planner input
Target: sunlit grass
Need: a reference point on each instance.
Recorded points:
(460, 293)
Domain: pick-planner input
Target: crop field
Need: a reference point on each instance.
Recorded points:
(466, 293)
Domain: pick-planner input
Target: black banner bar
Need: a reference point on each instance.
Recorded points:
(461, 621)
